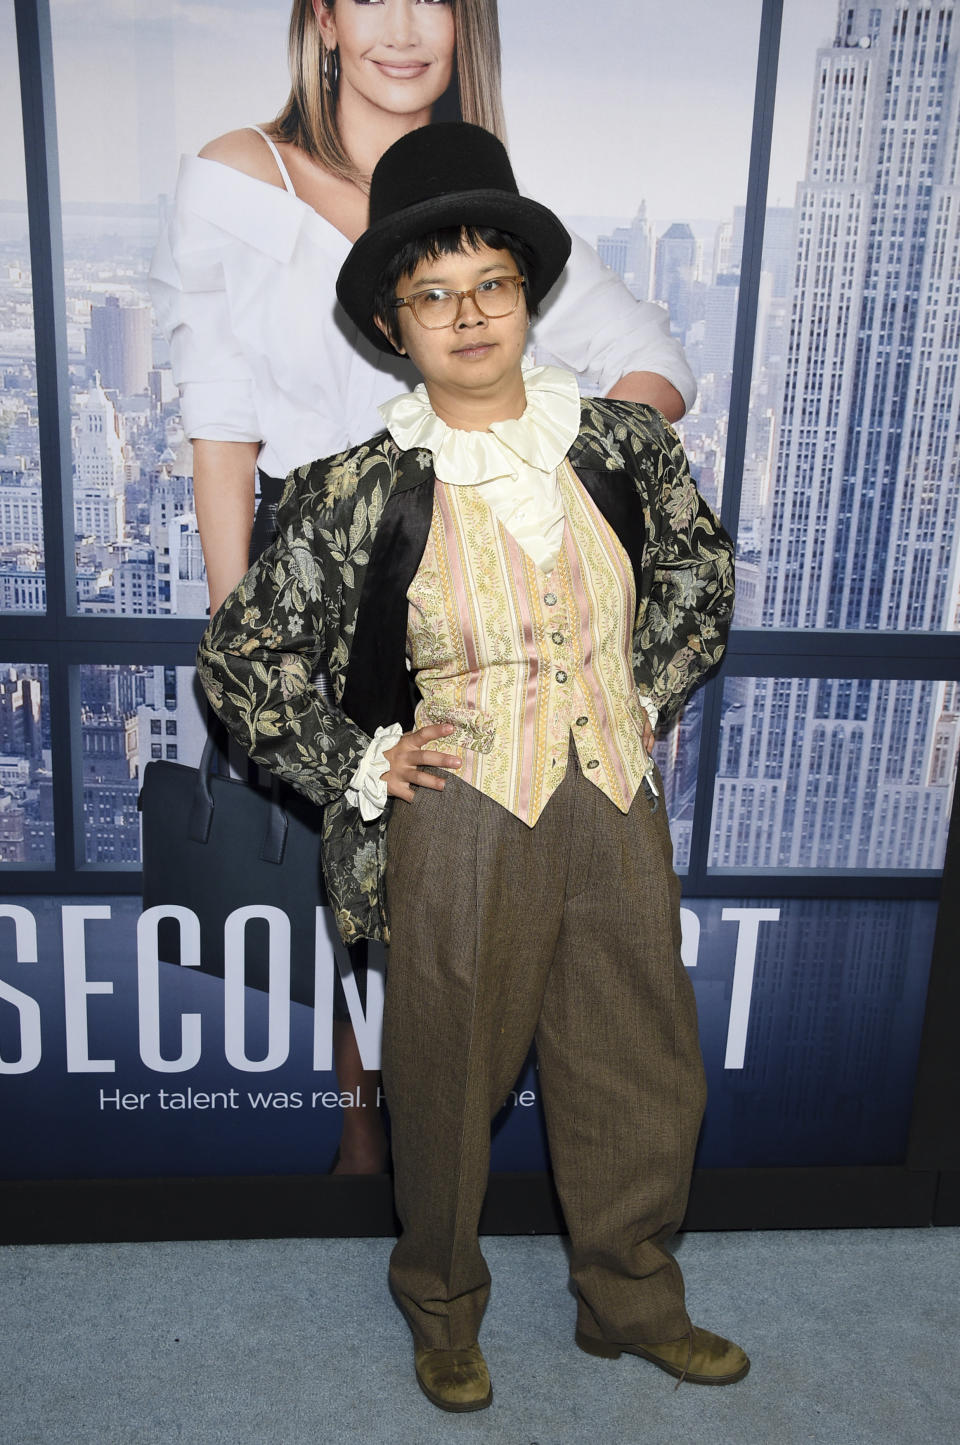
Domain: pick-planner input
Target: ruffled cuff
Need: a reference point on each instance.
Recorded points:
(366, 789)
(649, 708)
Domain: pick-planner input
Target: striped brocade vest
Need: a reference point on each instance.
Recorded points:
(518, 659)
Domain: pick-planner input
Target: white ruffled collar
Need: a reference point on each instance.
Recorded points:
(540, 438)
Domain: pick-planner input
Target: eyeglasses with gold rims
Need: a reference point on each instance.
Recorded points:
(439, 307)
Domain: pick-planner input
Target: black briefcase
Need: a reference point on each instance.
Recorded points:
(214, 844)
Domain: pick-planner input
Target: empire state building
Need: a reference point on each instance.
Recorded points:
(858, 526)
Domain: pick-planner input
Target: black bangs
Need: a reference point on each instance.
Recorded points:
(450, 241)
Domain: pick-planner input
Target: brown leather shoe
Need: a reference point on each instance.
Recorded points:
(702, 1358)
(454, 1379)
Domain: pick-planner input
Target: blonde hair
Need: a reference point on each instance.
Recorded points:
(309, 118)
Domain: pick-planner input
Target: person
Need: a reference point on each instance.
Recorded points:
(272, 373)
(508, 586)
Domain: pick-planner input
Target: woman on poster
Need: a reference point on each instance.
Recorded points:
(271, 371)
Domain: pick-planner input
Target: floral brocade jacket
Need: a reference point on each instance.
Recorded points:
(331, 593)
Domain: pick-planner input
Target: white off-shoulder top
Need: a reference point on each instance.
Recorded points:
(243, 283)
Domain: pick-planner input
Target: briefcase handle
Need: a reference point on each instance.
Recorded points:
(201, 809)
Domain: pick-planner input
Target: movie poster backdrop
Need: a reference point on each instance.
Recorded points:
(634, 122)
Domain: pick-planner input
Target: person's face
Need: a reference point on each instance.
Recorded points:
(395, 54)
(478, 355)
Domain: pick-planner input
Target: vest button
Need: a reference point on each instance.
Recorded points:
(556, 637)
(594, 763)
(582, 721)
(561, 677)
(550, 598)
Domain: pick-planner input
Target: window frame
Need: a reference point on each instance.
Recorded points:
(64, 639)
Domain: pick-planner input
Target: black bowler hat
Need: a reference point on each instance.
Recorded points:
(445, 174)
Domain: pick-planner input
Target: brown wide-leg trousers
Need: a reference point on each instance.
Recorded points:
(569, 933)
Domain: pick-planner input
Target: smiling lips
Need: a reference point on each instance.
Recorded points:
(402, 69)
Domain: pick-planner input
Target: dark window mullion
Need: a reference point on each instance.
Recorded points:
(41, 164)
(75, 633)
(750, 265)
(916, 656)
(751, 261)
(35, 49)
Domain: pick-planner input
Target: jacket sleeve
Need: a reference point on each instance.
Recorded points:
(258, 655)
(685, 616)
(591, 323)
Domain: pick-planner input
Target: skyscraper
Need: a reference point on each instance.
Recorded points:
(21, 730)
(676, 272)
(720, 321)
(119, 346)
(779, 245)
(98, 491)
(866, 488)
(628, 250)
(859, 528)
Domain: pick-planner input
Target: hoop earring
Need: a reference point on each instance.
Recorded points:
(330, 68)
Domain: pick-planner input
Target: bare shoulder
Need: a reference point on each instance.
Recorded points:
(246, 151)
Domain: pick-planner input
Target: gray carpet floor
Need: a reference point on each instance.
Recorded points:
(854, 1337)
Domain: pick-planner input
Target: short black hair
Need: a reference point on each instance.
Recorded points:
(449, 241)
